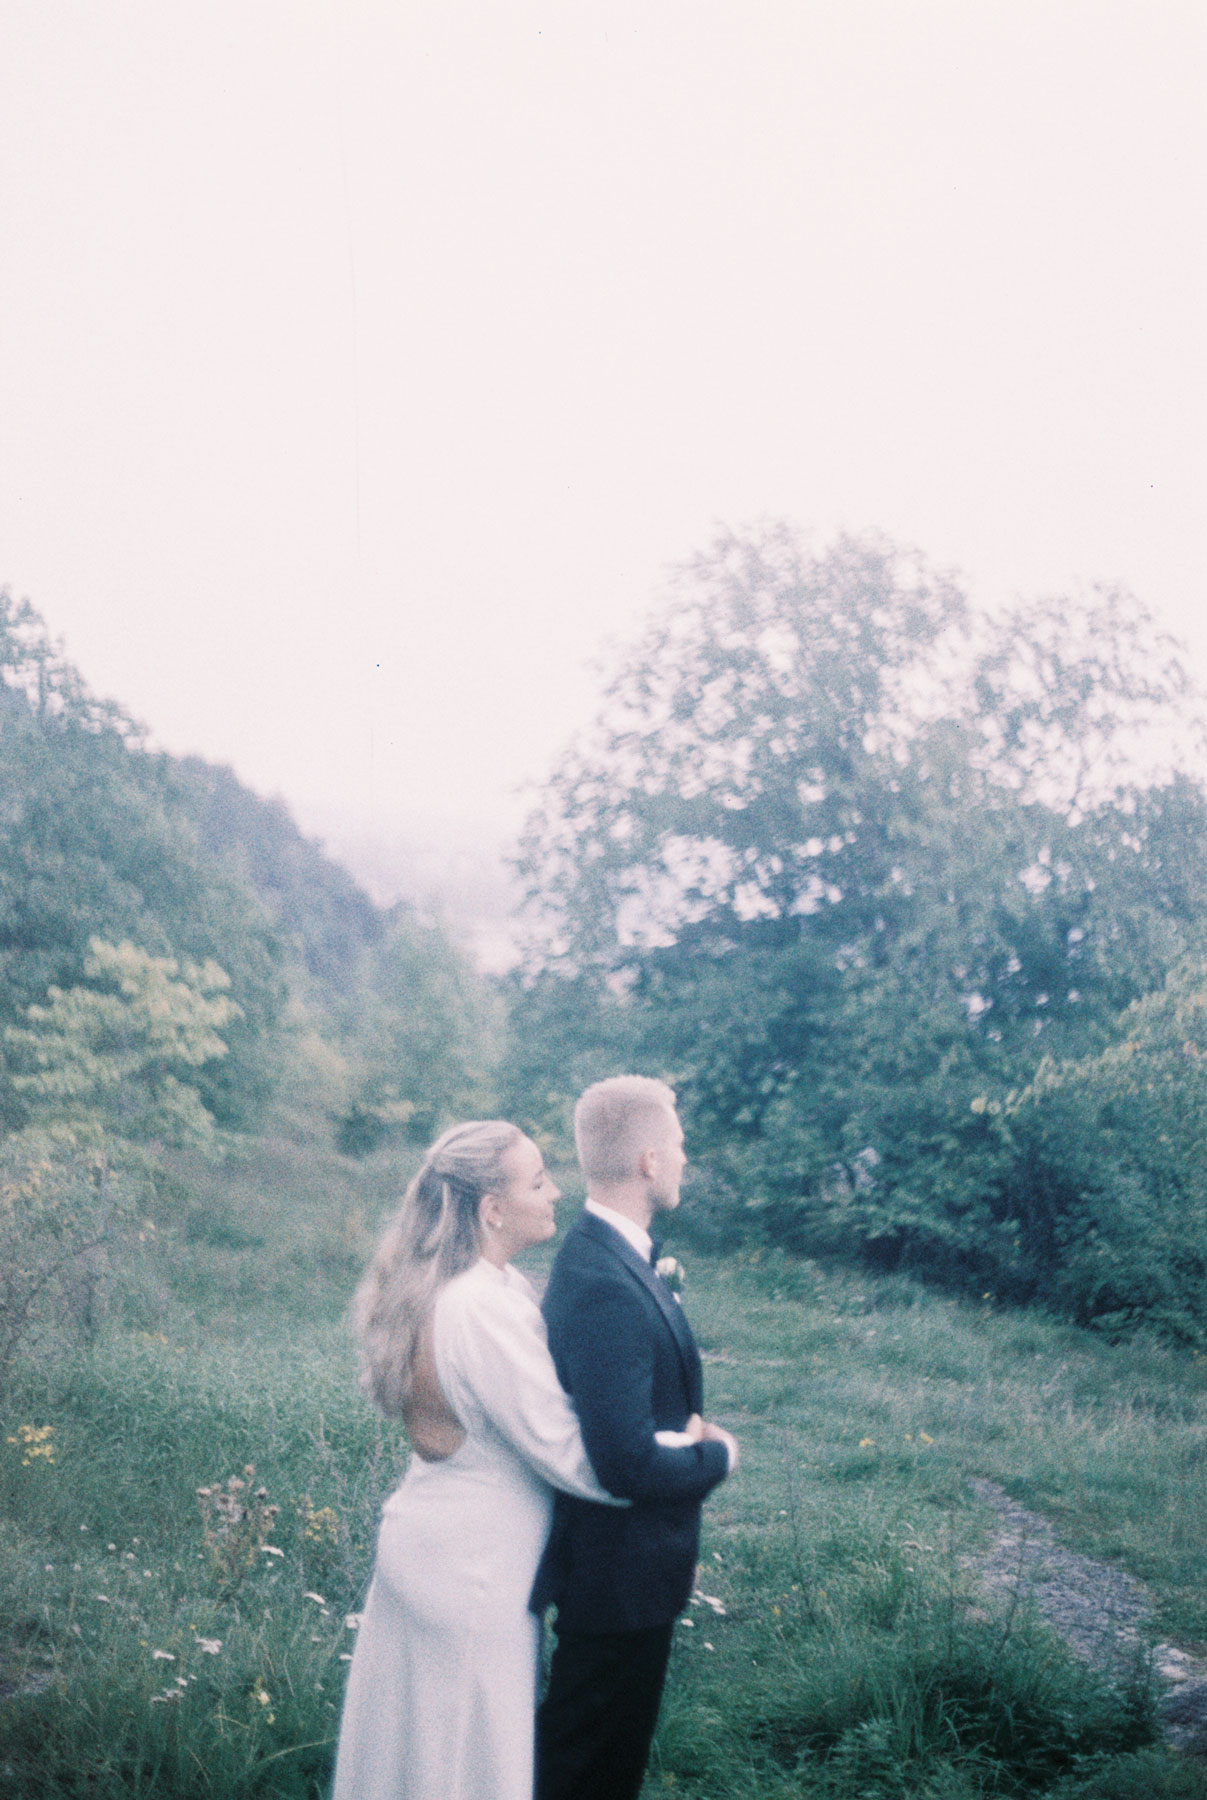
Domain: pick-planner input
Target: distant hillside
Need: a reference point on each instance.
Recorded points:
(314, 903)
(97, 841)
(455, 869)
(101, 838)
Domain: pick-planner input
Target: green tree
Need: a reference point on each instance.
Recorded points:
(830, 748)
(315, 906)
(840, 857)
(1105, 1179)
(741, 772)
(96, 840)
(420, 1034)
(122, 1052)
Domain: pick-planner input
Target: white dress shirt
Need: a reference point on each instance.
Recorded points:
(629, 1229)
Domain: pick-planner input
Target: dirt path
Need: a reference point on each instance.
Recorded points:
(1097, 1609)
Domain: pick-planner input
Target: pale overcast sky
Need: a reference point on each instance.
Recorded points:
(363, 365)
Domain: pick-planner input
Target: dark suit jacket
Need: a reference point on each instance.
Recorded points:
(625, 1354)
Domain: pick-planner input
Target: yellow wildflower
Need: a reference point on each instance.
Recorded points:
(34, 1442)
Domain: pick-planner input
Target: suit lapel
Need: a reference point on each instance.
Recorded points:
(654, 1285)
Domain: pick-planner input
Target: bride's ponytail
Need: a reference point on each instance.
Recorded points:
(434, 1235)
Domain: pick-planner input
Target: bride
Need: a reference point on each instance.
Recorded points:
(441, 1693)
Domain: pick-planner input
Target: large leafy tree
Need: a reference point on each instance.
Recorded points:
(808, 744)
(739, 783)
(840, 856)
(741, 774)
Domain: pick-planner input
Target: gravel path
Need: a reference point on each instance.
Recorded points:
(1097, 1609)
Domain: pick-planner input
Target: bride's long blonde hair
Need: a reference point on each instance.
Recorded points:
(434, 1235)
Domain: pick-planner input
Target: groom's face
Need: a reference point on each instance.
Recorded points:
(669, 1162)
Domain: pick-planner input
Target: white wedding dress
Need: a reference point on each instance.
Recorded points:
(441, 1693)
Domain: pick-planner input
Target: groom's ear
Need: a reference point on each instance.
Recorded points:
(647, 1163)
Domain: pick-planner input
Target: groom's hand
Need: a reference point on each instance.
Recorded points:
(714, 1434)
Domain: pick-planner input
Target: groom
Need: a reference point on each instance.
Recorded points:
(625, 1354)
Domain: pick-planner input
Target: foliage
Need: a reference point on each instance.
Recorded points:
(1080, 701)
(419, 1035)
(1084, 1190)
(840, 859)
(237, 1521)
(96, 842)
(62, 1205)
(315, 906)
(379, 1023)
(741, 769)
(1108, 1170)
(122, 1053)
(562, 1032)
(795, 738)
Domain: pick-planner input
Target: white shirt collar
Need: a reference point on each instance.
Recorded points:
(628, 1228)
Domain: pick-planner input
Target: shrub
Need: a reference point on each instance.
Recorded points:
(63, 1204)
(1084, 1191)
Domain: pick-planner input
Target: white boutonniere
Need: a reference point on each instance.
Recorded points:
(671, 1271)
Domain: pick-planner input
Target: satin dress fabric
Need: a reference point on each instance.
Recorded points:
(441, 1694)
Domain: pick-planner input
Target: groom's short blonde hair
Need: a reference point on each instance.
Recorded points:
(615, 1120)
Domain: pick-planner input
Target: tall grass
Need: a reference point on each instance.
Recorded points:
(1109, 1441)
(837, 1647)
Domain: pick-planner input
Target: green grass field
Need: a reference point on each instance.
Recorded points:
(838, 1650)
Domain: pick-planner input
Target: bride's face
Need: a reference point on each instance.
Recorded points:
(521, 1213)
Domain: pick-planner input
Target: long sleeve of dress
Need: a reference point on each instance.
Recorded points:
(496, 1370)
